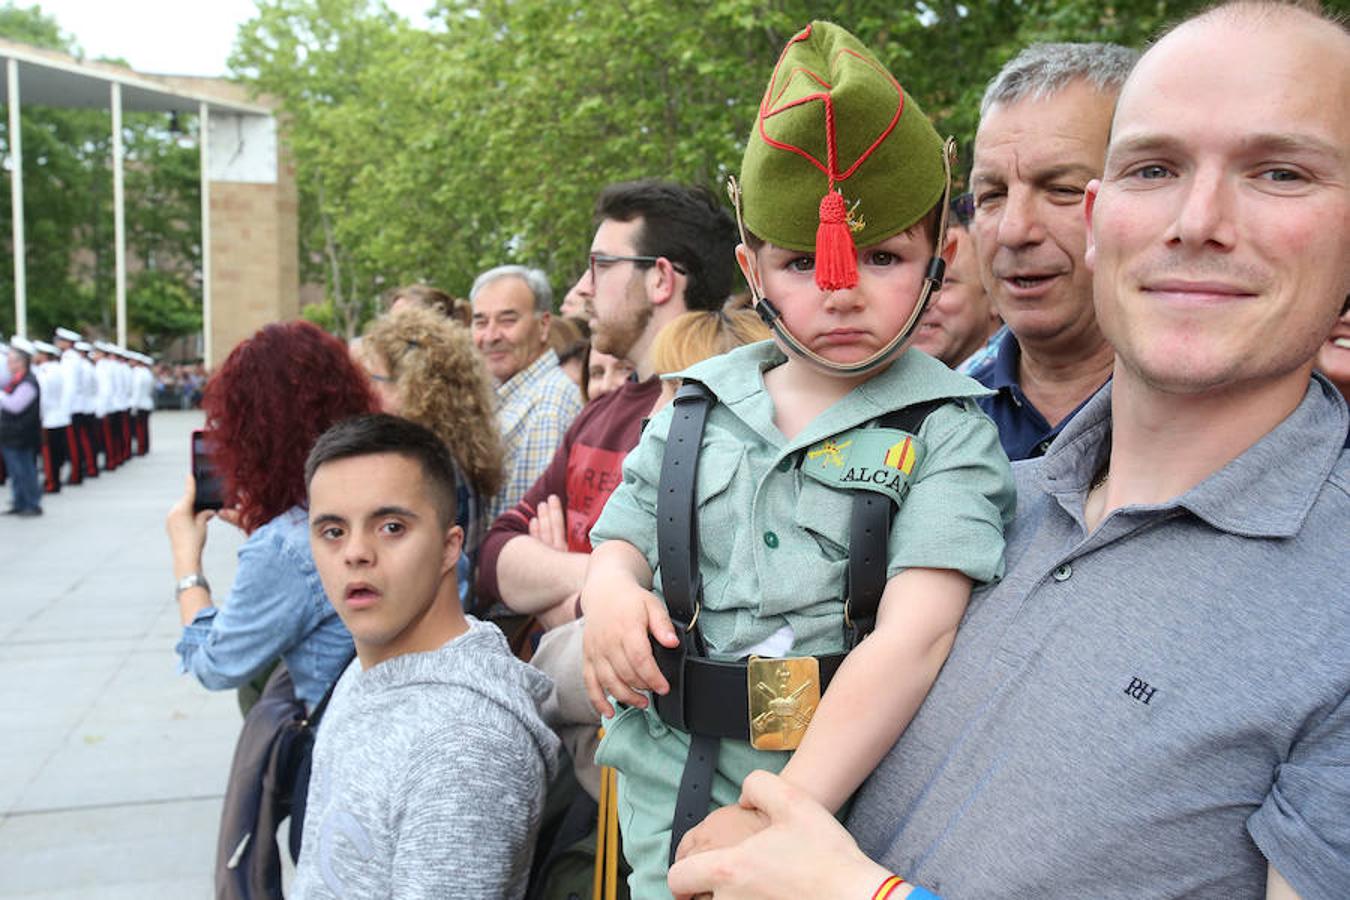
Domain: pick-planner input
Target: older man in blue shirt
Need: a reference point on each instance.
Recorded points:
(1042, 137)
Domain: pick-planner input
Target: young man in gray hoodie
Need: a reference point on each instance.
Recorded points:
(430, 767)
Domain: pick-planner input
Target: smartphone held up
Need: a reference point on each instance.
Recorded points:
(210, 486)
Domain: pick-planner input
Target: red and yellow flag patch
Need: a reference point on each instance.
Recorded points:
(901, 456)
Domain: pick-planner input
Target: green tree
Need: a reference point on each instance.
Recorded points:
(322, 59)
(433, 154)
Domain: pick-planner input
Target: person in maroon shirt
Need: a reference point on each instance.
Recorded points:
(660, 249)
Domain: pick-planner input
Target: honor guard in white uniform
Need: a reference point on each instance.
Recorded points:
(55, 411)
(104, 402)
(142, 399)
(72, 378)
(122, 371)
(86, 404)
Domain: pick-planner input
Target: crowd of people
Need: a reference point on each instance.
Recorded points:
(987, 545)
(69, 410)
(179, 386)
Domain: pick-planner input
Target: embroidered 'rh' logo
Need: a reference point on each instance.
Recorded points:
(1139, 689)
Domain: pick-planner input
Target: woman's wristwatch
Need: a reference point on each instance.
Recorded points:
(196, 579)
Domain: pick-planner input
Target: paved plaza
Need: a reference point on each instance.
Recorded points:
(112, 766)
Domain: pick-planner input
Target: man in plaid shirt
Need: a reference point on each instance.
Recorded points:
(536, 399)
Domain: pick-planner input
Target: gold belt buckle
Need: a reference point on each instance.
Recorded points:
(784, 694)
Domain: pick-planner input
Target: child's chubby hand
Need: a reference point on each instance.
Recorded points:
(725, 827)
(618, 656)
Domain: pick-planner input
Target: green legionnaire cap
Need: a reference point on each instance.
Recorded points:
(834, 121)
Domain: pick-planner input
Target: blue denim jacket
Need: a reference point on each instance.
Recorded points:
(276, 608)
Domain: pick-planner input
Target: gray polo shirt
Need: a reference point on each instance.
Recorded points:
(1152, 710)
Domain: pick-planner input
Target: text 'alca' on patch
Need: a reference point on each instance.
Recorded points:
(870, 459)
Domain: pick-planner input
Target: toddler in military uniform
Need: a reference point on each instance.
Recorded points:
(843, 194)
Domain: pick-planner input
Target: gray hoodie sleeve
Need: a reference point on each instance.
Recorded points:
(466, 813)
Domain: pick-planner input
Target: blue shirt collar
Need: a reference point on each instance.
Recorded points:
(1003, 374)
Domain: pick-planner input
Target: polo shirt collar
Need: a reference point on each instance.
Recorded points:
(1267, 491)
(1007, 354)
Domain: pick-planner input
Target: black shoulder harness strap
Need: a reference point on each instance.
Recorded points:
(870, 532)
(676, 522)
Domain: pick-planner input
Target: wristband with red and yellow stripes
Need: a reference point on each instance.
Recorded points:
(916, 892)
(888, 887)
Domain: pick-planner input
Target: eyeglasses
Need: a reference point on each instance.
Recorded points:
(380, 379)
(599, 262)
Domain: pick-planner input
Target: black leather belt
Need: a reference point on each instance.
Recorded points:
(711, 697)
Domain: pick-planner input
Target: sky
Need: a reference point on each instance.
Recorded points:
(167, 37)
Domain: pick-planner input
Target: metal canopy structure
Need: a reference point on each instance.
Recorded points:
(38, 77)
(54, 79)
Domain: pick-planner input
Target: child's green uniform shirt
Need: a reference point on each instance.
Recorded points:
(773, 546)
(773, 543)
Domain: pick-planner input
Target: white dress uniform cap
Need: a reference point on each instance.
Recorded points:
(23, 345)
(44, 347)
(66, 334)
(83, 346)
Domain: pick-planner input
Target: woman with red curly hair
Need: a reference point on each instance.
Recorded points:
(266, 406)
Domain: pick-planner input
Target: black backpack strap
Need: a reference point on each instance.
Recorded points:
(302, 759)
(869, 535)
(313, 719)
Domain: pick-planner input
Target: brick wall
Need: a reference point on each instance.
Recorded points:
(254, 258)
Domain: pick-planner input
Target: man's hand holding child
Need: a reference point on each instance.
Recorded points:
(725, 827)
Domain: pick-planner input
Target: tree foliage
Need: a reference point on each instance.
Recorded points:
(433, 154)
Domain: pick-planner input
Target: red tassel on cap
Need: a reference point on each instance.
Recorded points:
(836, 255)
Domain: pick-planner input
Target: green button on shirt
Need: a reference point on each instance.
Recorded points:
(773, 542)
